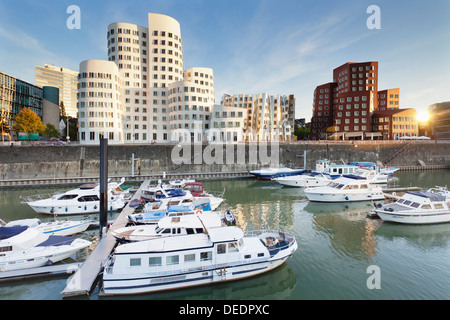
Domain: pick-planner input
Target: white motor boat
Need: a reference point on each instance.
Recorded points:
(59, 228)
(82, 200)
(373, 166)
(169, 226)
(166, 194)
(154, 211)
(162, 192)
(222, 254)
(417, 207)
(270, 173)
(23, 247)
(372, 175)
(312, 179)
(345, 189)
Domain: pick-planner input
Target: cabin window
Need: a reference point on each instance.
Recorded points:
(68, 197)
(166, 231)
(176, 230)
(261, 254)
(4, 249)
(189, 231)
(154, 261)
(88, 198)
(247, 256)
(233, 247)
(363, 186)
(407, 202)
(198, 230)
(400, 201)
(171, 260)
(221, 248)
(438, 206)
(426, 206)
(205, 256)
(189, 257)
(415, 205)
(135, 262)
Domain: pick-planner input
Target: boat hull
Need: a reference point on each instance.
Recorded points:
(35, 258)
(343, 197)
(68, 209)
(414, 218)
(270, 174)
(144, 283)
(302, 183)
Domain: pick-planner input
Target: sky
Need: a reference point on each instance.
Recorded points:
(253, 46)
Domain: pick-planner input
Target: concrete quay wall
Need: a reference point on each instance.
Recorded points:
(38, 162)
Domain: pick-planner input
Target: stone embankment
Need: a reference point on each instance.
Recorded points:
(75, 163)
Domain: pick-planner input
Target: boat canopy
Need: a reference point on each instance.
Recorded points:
(9, 232)
(430, 195)
(56, 241)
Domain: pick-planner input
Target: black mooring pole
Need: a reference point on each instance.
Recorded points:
(103, 185)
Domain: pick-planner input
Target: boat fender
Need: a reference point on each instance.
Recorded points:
(198, 212)
(85, 207)
(110, 208)
(52, 210)
(95, 207)
(67, 209)
(346, 198)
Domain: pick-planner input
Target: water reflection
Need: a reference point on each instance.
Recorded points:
(350, 232)
(423, 237)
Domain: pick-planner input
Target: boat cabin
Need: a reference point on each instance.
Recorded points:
(196, 188)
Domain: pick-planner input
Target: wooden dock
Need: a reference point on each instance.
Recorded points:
(82, 282)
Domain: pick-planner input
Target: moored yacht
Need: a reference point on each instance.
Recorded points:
(270, 173)
(82, 200)
(169, 226)
(345, 189)
(312, 179)
(222, 254)
(23, 247)
(59, 228)
(154, 211)
(417, 207)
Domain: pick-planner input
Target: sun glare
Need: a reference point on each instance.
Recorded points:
(423, 116)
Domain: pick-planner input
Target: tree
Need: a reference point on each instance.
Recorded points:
(51, 132)
(301, 133)
(62, 110)
(28, 121)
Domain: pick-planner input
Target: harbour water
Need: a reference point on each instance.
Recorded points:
(337, 245)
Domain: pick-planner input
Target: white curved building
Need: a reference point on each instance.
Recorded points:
(190, 105)
(155, 99)
(99, 106)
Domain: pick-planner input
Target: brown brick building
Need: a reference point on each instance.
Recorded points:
(343, 107)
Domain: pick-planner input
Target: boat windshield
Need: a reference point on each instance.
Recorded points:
(68, 196)
(335, 185)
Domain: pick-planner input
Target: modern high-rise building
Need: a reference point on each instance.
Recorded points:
(152, 97)
(342, 108)
(269, 117)
(62, 78)
(16, 94)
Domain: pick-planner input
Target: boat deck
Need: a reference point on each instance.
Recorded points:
(83, 280)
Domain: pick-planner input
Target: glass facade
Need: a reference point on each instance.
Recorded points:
(16, 94)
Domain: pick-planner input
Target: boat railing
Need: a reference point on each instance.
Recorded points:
(274, 240)
(36, 197)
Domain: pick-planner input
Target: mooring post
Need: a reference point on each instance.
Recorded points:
(103, 184)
